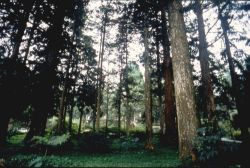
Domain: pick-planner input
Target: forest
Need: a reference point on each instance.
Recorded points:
(124, 83)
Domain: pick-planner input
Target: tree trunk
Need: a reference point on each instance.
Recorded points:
(72, 104)
(236, 91)
(80, 123)
(147, 90)
(159, 85)
(207, 90)
(119, 103)
(187, 118)
(44, 90)
(4, 122)
(128, 110)
(34, 26)
(98, 111)
(171, 134)
(61, 111)
(107, 110)
(21, 28)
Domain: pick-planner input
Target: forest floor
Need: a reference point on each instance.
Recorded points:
(161, 156)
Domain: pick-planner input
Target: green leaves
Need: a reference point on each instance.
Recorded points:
(51, 141)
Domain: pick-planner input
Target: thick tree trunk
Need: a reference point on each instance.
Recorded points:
(44, 90)
(184, 90)
(207, 90)
(170, 112)
(4, 122)
(147, 90)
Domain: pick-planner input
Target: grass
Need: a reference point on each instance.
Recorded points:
(159, 157)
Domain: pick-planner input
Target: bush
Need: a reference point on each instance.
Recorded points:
(94, 143)
(20, 160)
(207, 144)
(211, 150)
(49, 142)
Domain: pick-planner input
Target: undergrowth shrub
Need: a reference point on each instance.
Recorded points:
(211, 150)
(49, 143)
(94, 143)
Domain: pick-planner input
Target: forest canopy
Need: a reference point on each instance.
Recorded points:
(91, 74)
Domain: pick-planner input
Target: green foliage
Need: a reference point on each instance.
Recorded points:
(37, 162)
(127, 144)
(207, 144)
(94, 143)
(164, 157)
(20, 160)
(50, 141)
(212, 150)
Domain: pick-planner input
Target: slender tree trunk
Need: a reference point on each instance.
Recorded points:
(98, 111)
(62, 101)
(72, 109)
(170, 112)
(21, 29)
(107, 110)
(207, 90)
(80, 123)
(34, 26)
(119, 103)
(147, 90)
(187, 118)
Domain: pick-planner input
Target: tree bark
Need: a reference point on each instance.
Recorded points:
(159, 84)
(187, 118)
(72, 104)
(147, 90)
(236, 91)
(45, 89)
(171, 134)
(98, 111)
(21, 29)
(62, 103)
(207, 90)
(4, 122)
(80, 123)
(34, 26)
(119, 103)
(107, 110)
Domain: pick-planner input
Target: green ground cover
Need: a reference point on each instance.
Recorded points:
(161, 156)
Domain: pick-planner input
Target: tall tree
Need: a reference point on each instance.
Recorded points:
(47, 75)
(21, 28)
(223, 15)
(147, 90)
(207, 90)
(170, 113)
(184, 90)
